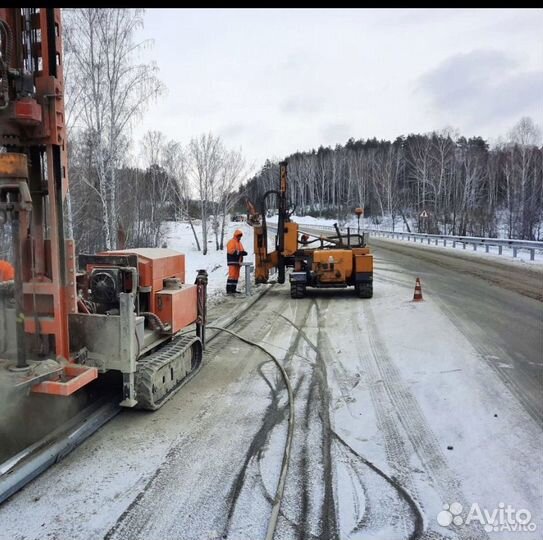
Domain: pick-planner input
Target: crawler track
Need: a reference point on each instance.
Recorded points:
(162, 374)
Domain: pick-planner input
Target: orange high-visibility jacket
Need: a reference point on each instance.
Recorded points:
(234, 248)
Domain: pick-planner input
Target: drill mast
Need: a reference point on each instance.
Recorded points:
(33, 176)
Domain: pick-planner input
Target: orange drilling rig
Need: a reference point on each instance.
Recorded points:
(324, 262)
(61, 326)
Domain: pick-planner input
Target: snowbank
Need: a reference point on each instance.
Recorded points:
(179, 236)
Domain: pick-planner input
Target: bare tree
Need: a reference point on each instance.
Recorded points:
(113, 89)
(175, 163)
(525, 136)
(159, 187)
(232, 172)
(206, 154)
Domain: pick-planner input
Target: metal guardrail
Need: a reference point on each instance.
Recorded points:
(474, 241)
(515, 245)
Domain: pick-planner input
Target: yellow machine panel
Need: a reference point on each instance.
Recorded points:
(361, 251)
(291, 239)
(363, 263)
(333, 265)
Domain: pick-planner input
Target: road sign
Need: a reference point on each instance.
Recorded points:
(424, 214)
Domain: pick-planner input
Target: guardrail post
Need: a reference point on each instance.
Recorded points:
(444, 242)
(474, 246)
(532, 254)
(487, 248)
(429, 240)
(436, 241)
(463, 245)
(500, 248)
(515, 251)
(454, 243)
(248, 270)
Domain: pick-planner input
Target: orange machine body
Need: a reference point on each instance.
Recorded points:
(333, 265)
(176, 307)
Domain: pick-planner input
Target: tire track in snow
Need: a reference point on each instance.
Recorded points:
(297, 525)
(311, 464)
(374, 516)
(329, 509)
(298, 489)
(396, 453)
(156, 507)
(418, 519)
(419, 433)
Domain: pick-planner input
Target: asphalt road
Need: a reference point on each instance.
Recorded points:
(496, 304)
(400, 408)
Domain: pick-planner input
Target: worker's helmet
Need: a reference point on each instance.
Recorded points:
(238, 233)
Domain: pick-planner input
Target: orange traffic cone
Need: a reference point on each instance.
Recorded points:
(417, 297)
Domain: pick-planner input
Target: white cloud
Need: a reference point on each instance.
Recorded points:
(273, 81)
(483, 87)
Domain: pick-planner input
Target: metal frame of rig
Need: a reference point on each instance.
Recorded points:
(324, 262)
(128, 311)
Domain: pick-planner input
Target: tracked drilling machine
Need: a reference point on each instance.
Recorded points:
(334, 261)
(127, 311)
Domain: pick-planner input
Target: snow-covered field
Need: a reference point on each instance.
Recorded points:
(179, 236)
(384, 223)
(523, 255)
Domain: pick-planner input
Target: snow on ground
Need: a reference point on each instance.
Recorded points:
(384, 223)
(465, 437)
(523, 255)
(179, 236)
(384, 381)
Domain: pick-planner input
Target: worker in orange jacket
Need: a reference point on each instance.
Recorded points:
(7, 273)
(234, 258)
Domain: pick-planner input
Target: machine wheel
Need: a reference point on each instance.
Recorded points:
(281, 272)
(364, 290)
(297, 290)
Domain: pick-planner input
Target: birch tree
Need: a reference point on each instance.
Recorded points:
(175, 162)
(160, 186)
(206, 154)
(113, 89)
(525, 136)
(232, 172)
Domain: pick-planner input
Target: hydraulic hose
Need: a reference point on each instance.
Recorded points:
(272, 524)
(155, 320)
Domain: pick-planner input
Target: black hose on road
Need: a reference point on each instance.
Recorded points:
(286, 455)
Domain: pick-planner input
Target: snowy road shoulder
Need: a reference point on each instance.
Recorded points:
(449, 427)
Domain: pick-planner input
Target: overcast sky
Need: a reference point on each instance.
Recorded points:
(276, 81)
